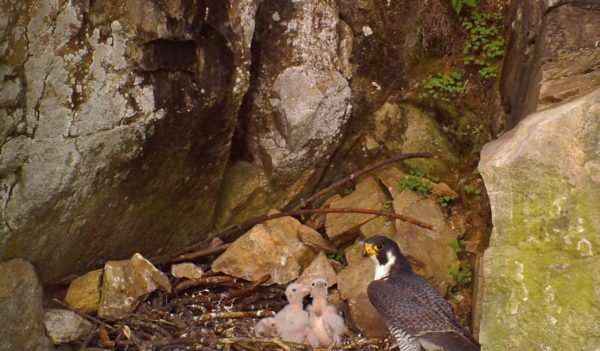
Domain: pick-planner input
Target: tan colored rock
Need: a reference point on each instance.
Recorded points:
(378, 226)
(390, 176)
(63, 326)
(270, 248)
(319, 268)
(314, 240)
(352, 284)
(125, 283)
(442, 189)
(428, 250)
(367, 195)
(84, 292)
(186, 270)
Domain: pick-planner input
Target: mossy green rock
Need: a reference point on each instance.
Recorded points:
(542, 269)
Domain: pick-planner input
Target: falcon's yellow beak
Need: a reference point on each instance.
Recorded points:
(370, 250)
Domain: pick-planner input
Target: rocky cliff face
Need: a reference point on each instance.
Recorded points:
(115, 125)
(552, 54)
(540, 274)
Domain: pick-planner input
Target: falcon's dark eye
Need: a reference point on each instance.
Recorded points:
(378, 247)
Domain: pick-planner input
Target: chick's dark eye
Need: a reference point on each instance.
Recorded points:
(294, 290)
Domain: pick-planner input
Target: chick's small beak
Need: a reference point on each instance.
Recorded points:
(369, 250)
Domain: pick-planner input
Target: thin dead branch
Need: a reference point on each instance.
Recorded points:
(354, 176)
(220, 279)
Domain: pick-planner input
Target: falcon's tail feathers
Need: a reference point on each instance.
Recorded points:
(450, 341)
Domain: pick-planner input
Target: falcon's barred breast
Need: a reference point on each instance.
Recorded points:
(416, 314)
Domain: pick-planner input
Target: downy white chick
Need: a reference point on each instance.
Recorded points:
(292, 321)
(266, 327)
(325, 321)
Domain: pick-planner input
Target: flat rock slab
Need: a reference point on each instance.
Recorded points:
(125, 283)
(21, 311)
(367, 195)
(428, 250)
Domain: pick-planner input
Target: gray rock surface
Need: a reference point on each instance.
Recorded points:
(21, 312)
(63, 326)
(106, 143)
(299, 102)
(541, 271)
(553, 54)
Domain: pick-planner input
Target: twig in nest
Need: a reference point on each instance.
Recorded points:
(361, 343)
(234, 314)
(248, 288)
(250, 340)
(83, 314)
(203, 281)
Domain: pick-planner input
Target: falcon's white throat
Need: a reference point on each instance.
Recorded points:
(383, 270)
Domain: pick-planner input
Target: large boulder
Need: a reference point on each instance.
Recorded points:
(115, 118)
(552, 54)
(21, 311)
(298, 103)
(542, 269)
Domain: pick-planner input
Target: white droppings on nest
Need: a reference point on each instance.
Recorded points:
(276, 16)
(367, 31)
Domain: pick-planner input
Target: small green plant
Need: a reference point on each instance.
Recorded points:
(471, 190)
(444, 200)
(458, 5)
(462, 274)
(485, 44)
(339, 256)
(415, 182)
(443, 86)
(457, 245)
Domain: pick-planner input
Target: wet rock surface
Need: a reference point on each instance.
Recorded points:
(21, 312)
(542, 179)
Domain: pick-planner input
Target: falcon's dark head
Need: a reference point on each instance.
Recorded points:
(387, 256)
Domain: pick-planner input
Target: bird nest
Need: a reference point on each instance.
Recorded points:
(215, 312)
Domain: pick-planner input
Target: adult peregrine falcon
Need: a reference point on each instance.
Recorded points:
(415, 313)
